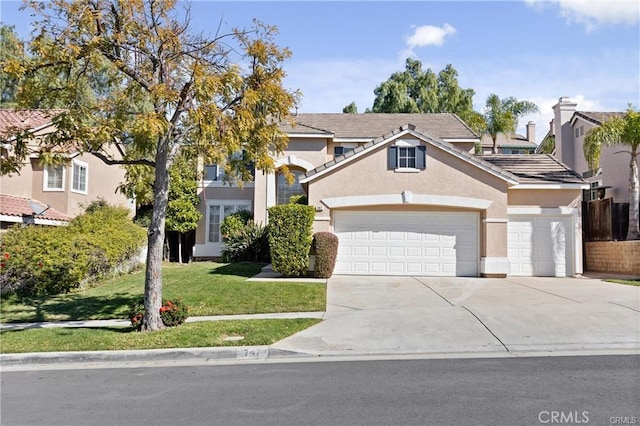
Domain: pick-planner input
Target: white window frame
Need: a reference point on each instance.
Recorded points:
(45, 180)
(238, 204)
(84, 165)
(407, 143)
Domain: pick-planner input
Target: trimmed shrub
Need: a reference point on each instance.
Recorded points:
(49, 260)
(234, 223)
(325, 246)
(290, 237)
(298, 199)
(173, 313)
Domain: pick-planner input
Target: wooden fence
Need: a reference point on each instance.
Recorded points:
(604, 220)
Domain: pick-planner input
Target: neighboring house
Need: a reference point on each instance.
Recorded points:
(512, 144)
(62, 190)
(569, 128)
(406, 196)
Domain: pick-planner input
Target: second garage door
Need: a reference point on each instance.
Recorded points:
(407, 243)
(539, 245)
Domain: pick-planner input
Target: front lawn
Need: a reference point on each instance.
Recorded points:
(626, 282)
(207, 288)
(188, 335)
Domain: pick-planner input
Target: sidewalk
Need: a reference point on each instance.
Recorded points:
(127, 323)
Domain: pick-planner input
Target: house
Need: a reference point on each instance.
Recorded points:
(406, 196)
(569, 127)
(51, 195)
(511, 144)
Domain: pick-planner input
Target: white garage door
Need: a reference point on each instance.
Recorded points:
(408, 243)
(540, 245)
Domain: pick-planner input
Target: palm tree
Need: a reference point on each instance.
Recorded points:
(501, 116)
(619, 130)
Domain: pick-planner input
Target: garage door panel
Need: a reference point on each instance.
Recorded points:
(538, 245)
(407, 243)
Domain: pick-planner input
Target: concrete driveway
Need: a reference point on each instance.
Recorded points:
(423, 315)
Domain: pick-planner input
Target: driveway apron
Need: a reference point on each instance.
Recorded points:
(412, 315)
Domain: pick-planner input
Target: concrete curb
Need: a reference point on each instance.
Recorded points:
(150, 355)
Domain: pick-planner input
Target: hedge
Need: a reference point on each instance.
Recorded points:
(48, 260)
(325, 246)
(290, 237)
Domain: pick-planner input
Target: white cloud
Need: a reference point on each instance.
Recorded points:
(592, 13)
(428, 35)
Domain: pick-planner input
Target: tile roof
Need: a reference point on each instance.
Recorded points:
(534, 168)
(597, 117)
(19, 207)
(512, 141)
(12, 119)
(373, 125)
(503, 173)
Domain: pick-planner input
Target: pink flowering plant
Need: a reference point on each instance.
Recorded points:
(173, 313)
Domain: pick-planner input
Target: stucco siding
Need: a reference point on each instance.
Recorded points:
(313, 150)
(545, 198)
(444, 175)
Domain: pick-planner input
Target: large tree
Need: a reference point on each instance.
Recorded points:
(623, 130)
(11, 49)
(501, 115)
(416, 91)
(133, 74)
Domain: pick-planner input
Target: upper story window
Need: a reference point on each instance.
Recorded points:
(53, 178)
(341, 150)
(79, 177)
(213, 172)
(285, 191)
(407, 156)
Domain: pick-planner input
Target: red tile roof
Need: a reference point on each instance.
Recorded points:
(19, 206)
(12, 119)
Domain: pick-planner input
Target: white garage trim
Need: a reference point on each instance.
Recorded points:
(568, 222)
(407, 197)
(407, 243)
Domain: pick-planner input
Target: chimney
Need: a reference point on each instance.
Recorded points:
(531, 132)
(552, 127)
(563, 111)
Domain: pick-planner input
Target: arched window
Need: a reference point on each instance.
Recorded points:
(284, 192)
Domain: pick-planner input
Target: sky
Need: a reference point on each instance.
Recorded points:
(535, 50)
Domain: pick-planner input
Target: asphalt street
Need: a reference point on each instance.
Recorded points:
(597, 390)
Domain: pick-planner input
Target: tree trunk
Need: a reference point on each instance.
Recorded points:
(494, 149)
(180, 247)
(634, 200)
(156, 234)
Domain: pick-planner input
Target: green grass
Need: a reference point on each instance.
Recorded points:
(207, 288)
(189, 335)
(627, 282)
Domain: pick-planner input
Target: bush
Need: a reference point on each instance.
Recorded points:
(234, 223)
(325, 246)
(173, 313)
(49, 260)
(298, 199)
(247, 244)
(244, 240)
(290, 237)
